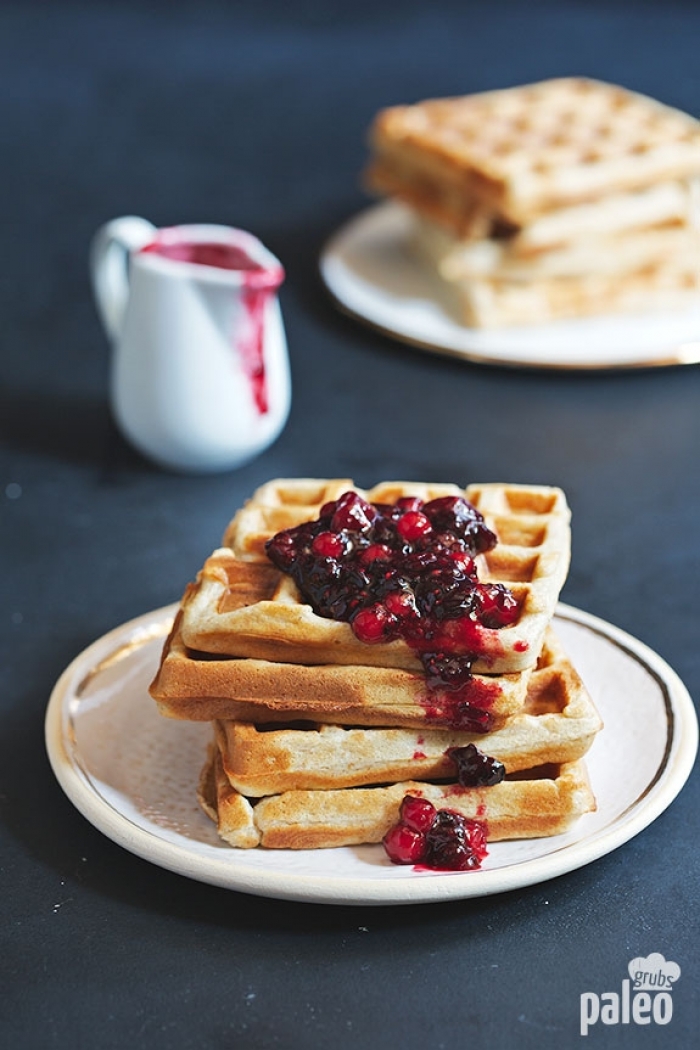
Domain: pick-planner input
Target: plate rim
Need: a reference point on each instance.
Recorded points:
(686, 352)
(673, 773)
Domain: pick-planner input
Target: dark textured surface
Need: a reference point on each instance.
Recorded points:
(256, 115)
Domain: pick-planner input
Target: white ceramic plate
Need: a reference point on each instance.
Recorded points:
(372, 275)
(133, 774)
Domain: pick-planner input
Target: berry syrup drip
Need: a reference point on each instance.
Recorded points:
(258, 283)
(406, 571)
(437, 839)
(251, 343)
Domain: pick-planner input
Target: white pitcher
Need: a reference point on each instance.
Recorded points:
(200, 372)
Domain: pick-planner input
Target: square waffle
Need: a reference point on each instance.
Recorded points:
(241, 606)
(516, 153)
(200, 687)
(673, 246)
(530, 804)
(557, 723)
(663, 206)
(661, 288)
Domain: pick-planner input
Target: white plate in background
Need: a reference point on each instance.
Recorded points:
(370, 272)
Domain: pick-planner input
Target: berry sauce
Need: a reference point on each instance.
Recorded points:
(221, 255)
(407, 571)
(474, 768)
(251, 343)
(435, 838)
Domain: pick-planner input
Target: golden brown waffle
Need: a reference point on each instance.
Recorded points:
(522, 151)
(531, 804)
(558, 723)
(200, 687)
(675, 248)
(669, 205)
(663, 205)
(239, 607)
(486, 303)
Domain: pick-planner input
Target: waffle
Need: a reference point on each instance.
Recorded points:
(558, 723)
(201, 687)
(487, 303)
(673, 247)
(517, 153)
(241, 607)
(669, 205)
(531, 804)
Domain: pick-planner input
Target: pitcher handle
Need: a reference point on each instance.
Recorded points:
(109, 266)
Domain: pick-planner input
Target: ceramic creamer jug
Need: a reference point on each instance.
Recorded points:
(199, 373)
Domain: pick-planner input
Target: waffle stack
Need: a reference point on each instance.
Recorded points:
(566, 198)
(318, 736)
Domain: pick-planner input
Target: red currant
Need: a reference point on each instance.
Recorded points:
(373, 624)
(417, 813)
(413, 526)
(403, 845)
(328, 545)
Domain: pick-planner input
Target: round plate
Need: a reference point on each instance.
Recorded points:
(368, 268)
(133, 774)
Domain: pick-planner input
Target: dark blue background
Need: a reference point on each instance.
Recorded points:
(256, 115)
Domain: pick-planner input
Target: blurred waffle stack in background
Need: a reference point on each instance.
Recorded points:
(566, 198)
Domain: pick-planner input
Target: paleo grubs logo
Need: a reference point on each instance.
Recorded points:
(644, 997)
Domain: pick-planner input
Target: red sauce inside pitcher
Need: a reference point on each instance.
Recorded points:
(222, 256)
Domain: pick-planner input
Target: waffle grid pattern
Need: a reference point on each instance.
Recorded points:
(531, 558)
(527, 150)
